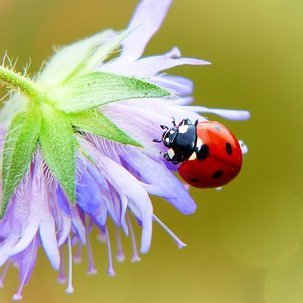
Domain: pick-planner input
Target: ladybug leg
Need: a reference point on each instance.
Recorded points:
(157, 140)
(196, 122)
(166, 157)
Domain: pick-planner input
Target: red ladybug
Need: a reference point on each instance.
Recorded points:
(209, 154)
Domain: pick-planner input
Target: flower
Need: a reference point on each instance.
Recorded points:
(77, 147)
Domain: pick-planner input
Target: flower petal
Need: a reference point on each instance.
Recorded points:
(231, 114)
(89, 196)
(27, 261)
(146, 21)
(88, 193)
(113, 204)
(64, 230)
(28, 233)
(2, 136)
(127, 185)
(47, 232)
(150, 66)
(159, 181)
(123, 214)
(78, 224)
(6, 247)
(179, 85)
(62, 200)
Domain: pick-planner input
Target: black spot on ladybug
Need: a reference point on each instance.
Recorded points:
(228, 148)
(203, 152)
(217, 174)
(194, 180)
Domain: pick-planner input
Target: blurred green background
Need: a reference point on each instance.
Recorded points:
(244, 242)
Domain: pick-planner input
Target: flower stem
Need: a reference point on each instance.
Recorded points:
(21, 83)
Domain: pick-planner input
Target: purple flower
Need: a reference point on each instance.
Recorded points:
(113, 180)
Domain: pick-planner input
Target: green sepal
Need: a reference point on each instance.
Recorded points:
(95, 122)
(80, 57)
(19, 147)
(102, 53)
(58, 146)
(97, 88)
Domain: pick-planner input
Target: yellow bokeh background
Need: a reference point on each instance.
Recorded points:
(244, 242)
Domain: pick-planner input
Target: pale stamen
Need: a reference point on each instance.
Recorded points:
(61, 276)
(18, 295)
(91, 267)
(70, 288)
(135, 256)
(4, 272)
(120, 254)
(179, 243)
(77, 258)
(101, 237)
(110, 269)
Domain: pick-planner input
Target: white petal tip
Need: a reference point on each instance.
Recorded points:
(192, 61)
(204, 62)
(92, 272)
(56, 265)
(111, 272)
(248, 115)
(69, 290)
(120, 257)
(135, 259)
(77, 260)
(145, 245)
(17, 297)
(101, 238)
(181, 245)
(241, 115)
(189, 210)
(61, 280)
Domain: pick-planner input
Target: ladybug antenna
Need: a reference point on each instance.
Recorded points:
(164, 127)
(173, 121)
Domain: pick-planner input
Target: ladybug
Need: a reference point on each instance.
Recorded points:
(208, 153)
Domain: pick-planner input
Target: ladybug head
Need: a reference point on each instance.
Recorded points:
(180, 140)
(170, 134)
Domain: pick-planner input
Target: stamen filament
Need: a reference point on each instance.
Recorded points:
(179, 243)
(4, 272)
(70, 288)
(135, 256)
(110, 269)
(120, 254)
(101, 237)
(61, 276)
(91, 267)
(77, 258)
(18, 296)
